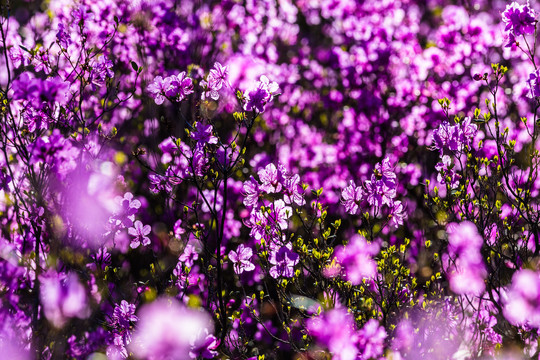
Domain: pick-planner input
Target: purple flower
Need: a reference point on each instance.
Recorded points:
(262, 94)
(384, 173)
(283, 260)
(378, 194)
(18, 56)
(140, 232)
(210, 89)
(189, 255)
(203, 134)
(128, 208)
(179, 86)
(292, 192)
(371, 340)
(166, 330)
(271, 179)
(219, 74)
(241, 259)
(102, 70)
(454, 137)
(159, 183)
(204, 346)
(62, 36)
(351, 197)
(397, 214)
(280, 213)
(121, 322)
(178, 229)
(124, 314)
(534, 84)
(519, 19)
(251, 192)
(159, 87)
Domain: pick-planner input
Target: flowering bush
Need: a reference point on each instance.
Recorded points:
(269, 180)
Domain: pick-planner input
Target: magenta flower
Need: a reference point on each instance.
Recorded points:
(284, 261)
(140, 232)
(159, 183)
(128, 209)
(292, 191)
(397, 214)
(251, 192)
(124, 314)
(452, 138)
(371, 340)
(534, 84)
(280, 214)
(241, 259)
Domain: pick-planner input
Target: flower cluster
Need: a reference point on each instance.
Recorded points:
(175, 87)
(376, 193)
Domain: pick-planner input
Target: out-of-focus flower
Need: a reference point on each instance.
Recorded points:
(204, 345)
(466, 269)
(356, 260)
(522, 304)
(335, 330)
(63, 297)
(167, 329)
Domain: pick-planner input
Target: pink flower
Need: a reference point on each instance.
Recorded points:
(356, 259)
(158, 88)
(351, 197)
(140, 232)
(522, 303)
(241, 259)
